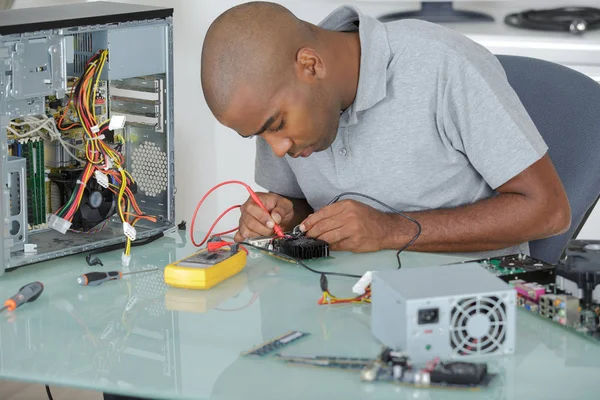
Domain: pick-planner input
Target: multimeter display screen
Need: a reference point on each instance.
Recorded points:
(205, 258)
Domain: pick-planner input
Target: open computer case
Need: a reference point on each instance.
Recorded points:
(86, 122)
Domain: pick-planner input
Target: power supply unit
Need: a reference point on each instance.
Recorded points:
(451, 312)
(86, 129)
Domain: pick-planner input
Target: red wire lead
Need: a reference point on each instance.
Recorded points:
(277, 228)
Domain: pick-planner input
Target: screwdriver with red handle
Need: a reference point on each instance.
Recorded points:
(27, 294)
(98, 278)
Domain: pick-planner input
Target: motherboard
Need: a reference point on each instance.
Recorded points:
(567, 293)
(519, 267)
(397, 367)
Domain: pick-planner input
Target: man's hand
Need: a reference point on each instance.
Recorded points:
(257, 222)
(349, 225)
(532, 205)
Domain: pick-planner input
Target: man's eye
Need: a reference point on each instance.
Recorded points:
(280, 127)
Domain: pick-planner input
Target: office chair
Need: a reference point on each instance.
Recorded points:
(565, 106)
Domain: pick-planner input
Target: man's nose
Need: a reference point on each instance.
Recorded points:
(280, 146)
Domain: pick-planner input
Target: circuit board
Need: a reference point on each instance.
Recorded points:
(565, 294)
(519, 266)
(386, 374)
(398, 370)
(568, 315)
(275, 344)
(353, 363)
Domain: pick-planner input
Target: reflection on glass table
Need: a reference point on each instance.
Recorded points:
(142, 338)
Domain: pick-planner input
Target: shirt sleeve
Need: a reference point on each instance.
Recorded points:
(274, 173)
(484, 119)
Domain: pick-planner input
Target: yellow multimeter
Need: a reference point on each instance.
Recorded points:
(205, 269)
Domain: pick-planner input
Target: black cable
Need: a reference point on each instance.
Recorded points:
(299, 262)
(392, 209)
(335, 199)
(566, 19)
(48, 393)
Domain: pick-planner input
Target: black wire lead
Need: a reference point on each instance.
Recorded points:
(48, 393)
(299, 262)
(392, 209)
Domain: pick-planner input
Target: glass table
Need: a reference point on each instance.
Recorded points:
(139, 337)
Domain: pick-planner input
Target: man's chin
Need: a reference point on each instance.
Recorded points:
(314, 149)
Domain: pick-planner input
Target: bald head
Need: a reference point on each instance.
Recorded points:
(266, 73)
(250, 47)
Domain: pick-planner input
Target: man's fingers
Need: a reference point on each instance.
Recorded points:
(324, 213)
(325, 225)
(335, 236)
(344, 245)
(283, 209)
(255, 211)
(251, 227)
(269, 200)
(238, 237)
(276, 215)
(258, 222)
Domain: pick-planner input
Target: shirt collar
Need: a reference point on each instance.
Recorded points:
(374, 59)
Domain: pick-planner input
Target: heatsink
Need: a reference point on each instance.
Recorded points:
(301, 248)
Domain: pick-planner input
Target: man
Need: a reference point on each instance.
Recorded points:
(410, 113)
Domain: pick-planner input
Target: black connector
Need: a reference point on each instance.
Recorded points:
(428, 316)
(109, 135)
(324, 283)
(459, 373)
(93, 261)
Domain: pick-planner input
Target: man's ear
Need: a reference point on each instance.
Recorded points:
(310, 64)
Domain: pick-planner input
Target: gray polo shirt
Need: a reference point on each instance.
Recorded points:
(435, 124)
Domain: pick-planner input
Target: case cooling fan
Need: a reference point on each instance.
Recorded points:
(97, 204)
(478, 325)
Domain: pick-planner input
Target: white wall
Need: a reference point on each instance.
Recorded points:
(40, 3)
(208, 153)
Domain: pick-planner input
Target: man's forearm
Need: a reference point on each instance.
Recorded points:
(499, 222)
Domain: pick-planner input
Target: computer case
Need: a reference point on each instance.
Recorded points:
(48, 57)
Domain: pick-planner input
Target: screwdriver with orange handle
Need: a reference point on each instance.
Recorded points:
(27, 294)
(98, 278)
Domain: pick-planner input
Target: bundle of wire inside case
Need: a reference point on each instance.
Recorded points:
(103, 162)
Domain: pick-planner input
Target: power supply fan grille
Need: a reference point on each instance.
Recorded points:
(149, 169)
(478, 325)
